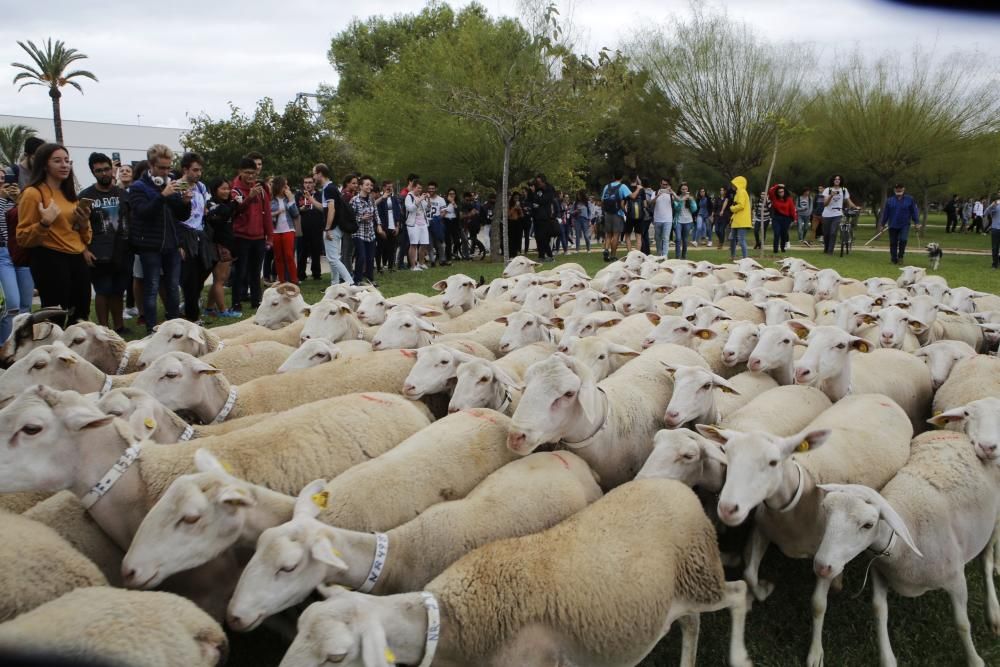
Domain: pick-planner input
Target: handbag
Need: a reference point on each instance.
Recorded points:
(18, 256)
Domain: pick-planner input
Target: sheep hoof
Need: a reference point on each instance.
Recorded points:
(815, 659)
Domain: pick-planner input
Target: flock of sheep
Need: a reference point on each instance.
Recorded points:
(528, 472)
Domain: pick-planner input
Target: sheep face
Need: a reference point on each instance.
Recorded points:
(479, 384)
(177, 380)
(27, 334)
(684, 275)
(602, 357)
(777, 311)
(519, 266)
(962, 299)
(641, 297)
(591, 301)
(434, 371)
(706, 316)
(459, 292)
(310, 353)
(634, 260)
(174, 336)
(942, 356)
(845, 314)
(792, 266)
(756, 468)
(373, 308)
(290, 561)
(775, 348)
(524, 328)
(893, 325)
(689, 458)
(280, 305)
(980, 420)
(551, 403)
(762, 278)
(876, 286)
(404, 329)
(499, 289)
(692, 398)
(828, 284)
(41, 428)
(197, 518)
(741, 342)
(345, 629)
(676, 330)
(343, 293)
(53, 365)
(909, 275)
(826, 353)
(521, 285)
(933, 288)
(582, 326)
(540, 300)
(139, 409)
(94, 342)
(689, 305)
(333, 320)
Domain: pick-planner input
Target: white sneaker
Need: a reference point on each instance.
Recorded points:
(709, 244)
(694, 243)
(423, 267)
(130, 313)
(416, 268)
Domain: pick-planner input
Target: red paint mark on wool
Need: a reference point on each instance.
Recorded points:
(561, 460)
(482, 415)
(373, 399)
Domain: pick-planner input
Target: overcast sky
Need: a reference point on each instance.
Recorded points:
(168, 60)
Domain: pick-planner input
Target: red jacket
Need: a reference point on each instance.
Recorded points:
(786, 206)
(253, 216)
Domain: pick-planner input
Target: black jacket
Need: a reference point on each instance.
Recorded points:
(219, 221)
(153, 218)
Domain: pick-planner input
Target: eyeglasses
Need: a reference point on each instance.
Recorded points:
(103, 170)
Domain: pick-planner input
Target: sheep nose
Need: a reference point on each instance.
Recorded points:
(988, 448)
(128, 575)
(304, 337)
(823, 571)
(376, 344)
(648, 343)
(755, 364)
(728, 511)
(516, 440)
(452, 410)
(673, 418)
(504, 347)
(446, 304)
(409, 389)
(802, 375)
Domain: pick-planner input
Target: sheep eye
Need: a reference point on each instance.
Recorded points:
(689, 318)
(176, 336)
(443, 363)
(569, 394)
(39, 365)
(321, 355)
(868, 526)
(171, 375)
(706, 386)
(290, 568)
(189, 520)
(773, 464)
(688, 457)
(483, 380)
(31, 429)
(602, 357)
(408, 325)
(841, 346)
(77, 341)
(274, 303)
(785, 341)
(380, 303)
(115, 413)
(588, 328)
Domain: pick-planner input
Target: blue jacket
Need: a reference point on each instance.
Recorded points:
(397, 213)
(899, 212)
(154, 218)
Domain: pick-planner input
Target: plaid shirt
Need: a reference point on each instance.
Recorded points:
(364, 213)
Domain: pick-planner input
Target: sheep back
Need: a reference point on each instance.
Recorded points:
(749, 385)
(444, 461)
(899, 375)
(517, 362)
(21, 501)
(970, 379)
(486, 311)
(41, 566)
(960, 327)
(781, 411)
(122, 627)
(247, 361)
(610, 602)
(64, 514)
(288, 335)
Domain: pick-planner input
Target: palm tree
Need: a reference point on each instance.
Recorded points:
(12, 139)
(49, 70)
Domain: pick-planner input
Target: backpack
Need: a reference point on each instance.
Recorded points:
(18, 256)
(345, 219)
(611, 199)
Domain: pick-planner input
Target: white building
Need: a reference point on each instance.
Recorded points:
(84, 137)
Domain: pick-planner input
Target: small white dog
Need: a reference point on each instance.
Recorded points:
(934, 253)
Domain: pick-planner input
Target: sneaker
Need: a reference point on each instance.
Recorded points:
(607, 255)
(211, 312)
(709, 244)
(416, 268)
(806, 243)
(129, 313)
(230, 313)
(424, 267)
(694, 243)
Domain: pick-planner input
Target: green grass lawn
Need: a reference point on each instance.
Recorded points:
(778, 630)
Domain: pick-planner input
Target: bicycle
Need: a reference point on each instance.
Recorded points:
(847, 226)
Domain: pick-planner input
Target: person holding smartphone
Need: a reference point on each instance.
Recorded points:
(107, 254)
(55, 224)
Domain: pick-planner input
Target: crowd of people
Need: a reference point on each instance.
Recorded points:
(154, 230)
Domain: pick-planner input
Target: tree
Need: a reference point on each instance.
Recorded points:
(731, 92)
(12, 138)
(48, 69)
(891, 118)
(291, 141)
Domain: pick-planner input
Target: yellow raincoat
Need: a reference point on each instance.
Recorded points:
(741, 205)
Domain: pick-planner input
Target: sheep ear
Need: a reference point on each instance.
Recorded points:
(804, 441)
(440, 285)
(506, 379)
(205, 461)
(606, 299)
(653, 317)
(312, 499)
(949, 416)
(557, 322)
(860, 344)
(615, 348)
(501, 320)
(885, 510)
(941, 308)
(203, 367)
(801, 329)
(409, 354)
(704, 334)
(321, 548)
(722, 383)
(623, 288)
(306, 311)
(715, 434)
(916, 326)
(865, 318)
(196, 335)
(374, 646)
(713, 451)
(233, 496)
(424, 325)
(344, 309)
(85, 416)
(671, 368)
(611, 322)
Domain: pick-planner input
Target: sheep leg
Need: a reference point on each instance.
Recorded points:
(959, 593)
(819, 600)
(756, 548)
(992, 605)
(690, 627)
(880, 601)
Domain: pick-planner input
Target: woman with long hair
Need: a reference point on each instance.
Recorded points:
(55, 225)
(783, 214)
(515, 225)
(834, 198)
(219, 226)
(685, 208)
(581, 219)
(702, 228)
(285, 218)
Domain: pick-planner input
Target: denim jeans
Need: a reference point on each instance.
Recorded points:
(681, 230)
(831, 226)
(338, 272)
(582, 226)
(700, 227)
(781, 225)
(897, 243)
(803, 226)
(738, 236)
(563, 239)
(153, 262)
(18, 288)
(364, 259)
(661, 234)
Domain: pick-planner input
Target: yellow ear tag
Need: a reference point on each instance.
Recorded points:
(704, 335)
(320, 499)
(863, 347)
(803, 446)
(801, 333)
(149, 423)
(937, 412)
(390, 657)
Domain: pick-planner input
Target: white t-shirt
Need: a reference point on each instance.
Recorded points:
(835, 206)
(437, 204)
(663, 209)
(390, 218)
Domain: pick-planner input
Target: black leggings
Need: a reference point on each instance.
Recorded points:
(63, 281)
(193, 275)
(249, 260)
(831, 226)
(385, 252)
(311, 248)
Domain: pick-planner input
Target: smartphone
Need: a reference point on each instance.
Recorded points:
(10, 179)
(86, 203)
(116, 157)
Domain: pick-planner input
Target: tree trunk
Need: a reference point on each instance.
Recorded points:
(498, 236)
(56, 113)
(767, 186)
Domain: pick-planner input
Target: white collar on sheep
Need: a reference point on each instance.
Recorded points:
(123, 463)
(879, 553)
(228, 407)
(186, 434)
(433, 628)
(580, 444)
(506, 399)
(107, 386)
(378, 562)
(795, 498)
(123, 364)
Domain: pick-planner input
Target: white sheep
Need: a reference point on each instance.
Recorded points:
(434, 370)
(695, 397)
(863, 438)
(458, 291)
(484, 384)
(602, 356)
(335, 321)
(524, 328)
(774, 352)
(828, 364)
(523, 497)
(541, 301)
(609, 424)
(498, 288)
(941, 358)
(280, 305)
(290, 334)
(896, 330)
(31, 330)
(589, 300)
(178, 335)
(642, 296)
(100, 346)
(740, 343)
(548, 598)
(980, 421)
(111, 626)
(830, 285)
(778, 310)
(518, 266)
(40, 566)
(673, 329)
(970, 379)
(311, 353)
(943, 506)
(909, 275)
(522, 283)
(59, 367)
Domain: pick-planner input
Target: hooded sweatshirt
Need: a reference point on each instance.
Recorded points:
(741, 205)
(786, 206)
(253, 216)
